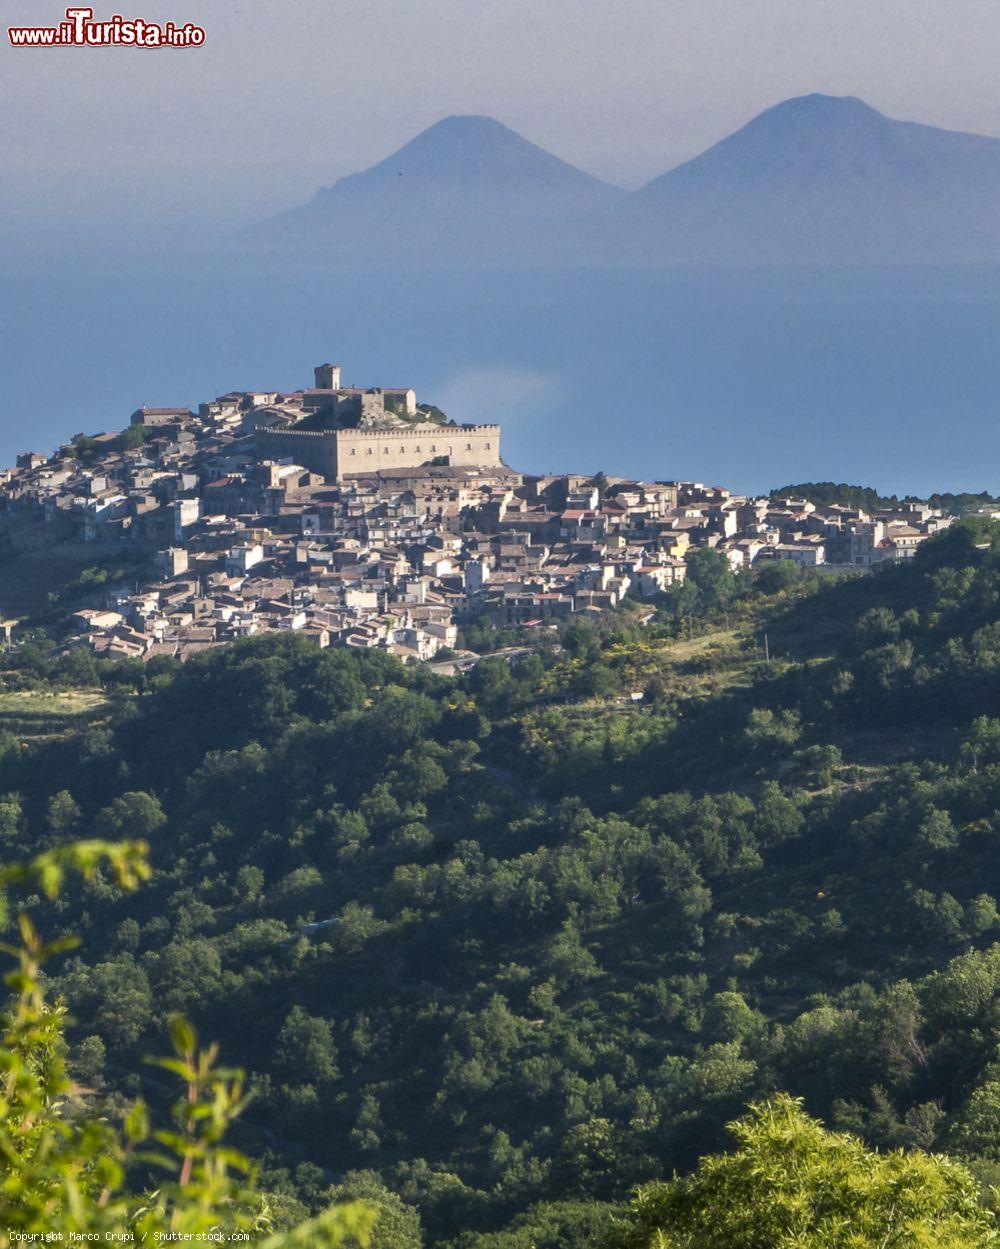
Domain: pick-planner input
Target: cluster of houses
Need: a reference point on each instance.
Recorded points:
(394, 553)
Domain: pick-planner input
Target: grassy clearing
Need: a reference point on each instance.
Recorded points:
(34, 713)
(689, 648)
(696, 667)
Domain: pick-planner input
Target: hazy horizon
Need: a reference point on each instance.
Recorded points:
(746, 381)
(249, 123)
(120, 166)
(135, 201)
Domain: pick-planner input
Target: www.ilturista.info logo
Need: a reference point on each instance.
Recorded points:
(80, 30)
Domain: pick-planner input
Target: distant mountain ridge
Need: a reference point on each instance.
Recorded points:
(817, 178)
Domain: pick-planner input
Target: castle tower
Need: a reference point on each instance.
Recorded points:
(327, 376)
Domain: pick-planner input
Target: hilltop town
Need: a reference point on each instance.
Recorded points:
(362, 518)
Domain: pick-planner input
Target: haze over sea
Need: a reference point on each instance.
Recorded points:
(741, 374)
(749, 378)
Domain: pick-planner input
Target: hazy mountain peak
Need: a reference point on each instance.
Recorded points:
(472, 148)
(811, 131)
(467, 123)
(458, 138)
(467, 184)
(820, 177)
(816, 104)
(807, 120)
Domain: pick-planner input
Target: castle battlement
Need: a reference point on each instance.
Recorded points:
(427, 428)
(291, 431)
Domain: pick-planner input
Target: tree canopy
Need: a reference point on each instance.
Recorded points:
(790, 1184)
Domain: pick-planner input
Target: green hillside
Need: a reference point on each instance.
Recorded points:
(518, 941)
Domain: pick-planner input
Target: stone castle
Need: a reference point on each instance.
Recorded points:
(343, 431)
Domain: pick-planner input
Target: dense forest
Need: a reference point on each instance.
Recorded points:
(496, 949)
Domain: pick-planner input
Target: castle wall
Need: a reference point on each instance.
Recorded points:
(313, 449)
(368, 450)
(347, 452)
